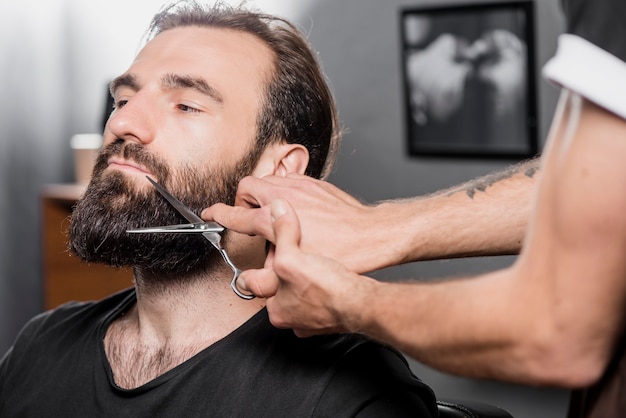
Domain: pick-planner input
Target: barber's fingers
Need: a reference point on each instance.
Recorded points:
(251, 221)
(286, 226)
(300, 190)
(254, 191)
(262, 283)
(251, 213)
(265, 282)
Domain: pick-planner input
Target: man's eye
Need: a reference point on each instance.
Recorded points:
(119, 104)
(187, 109)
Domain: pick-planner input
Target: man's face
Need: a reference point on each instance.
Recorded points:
(186, 116)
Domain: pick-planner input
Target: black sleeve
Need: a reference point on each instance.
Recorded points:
(376, 381)
(601, 22)
(22, 340)
(29, 332)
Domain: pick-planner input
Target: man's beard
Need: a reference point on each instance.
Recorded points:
(112, 204)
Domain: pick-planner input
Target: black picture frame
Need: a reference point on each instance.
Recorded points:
(468, 75)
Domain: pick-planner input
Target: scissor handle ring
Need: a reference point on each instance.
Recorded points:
(233, 285)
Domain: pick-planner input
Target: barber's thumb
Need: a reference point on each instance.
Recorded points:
(286, 224)
(262, 283)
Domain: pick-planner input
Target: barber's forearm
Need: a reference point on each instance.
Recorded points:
(459, 327)
(444, 326)
(486, 216)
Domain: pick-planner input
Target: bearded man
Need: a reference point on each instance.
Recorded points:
(216, 94)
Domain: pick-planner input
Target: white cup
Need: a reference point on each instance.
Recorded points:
(86, 148)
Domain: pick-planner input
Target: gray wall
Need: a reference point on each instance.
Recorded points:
(58, 54)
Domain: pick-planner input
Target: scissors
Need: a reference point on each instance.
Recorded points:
(209, 230)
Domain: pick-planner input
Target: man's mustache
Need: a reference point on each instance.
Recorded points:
(134, 152)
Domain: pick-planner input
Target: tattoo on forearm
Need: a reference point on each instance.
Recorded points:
(483, 183)
(530, 172)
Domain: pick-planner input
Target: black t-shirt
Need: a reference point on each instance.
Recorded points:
(600, 22)
(58, 367)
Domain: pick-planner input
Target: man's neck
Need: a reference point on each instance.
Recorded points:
(197, 307)
(170, 324)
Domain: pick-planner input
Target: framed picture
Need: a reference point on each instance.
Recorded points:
(469, 80)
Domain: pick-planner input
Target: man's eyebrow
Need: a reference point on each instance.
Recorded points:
(125, 80)
(174, 81)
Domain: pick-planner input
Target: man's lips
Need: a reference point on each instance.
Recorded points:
(127, 165)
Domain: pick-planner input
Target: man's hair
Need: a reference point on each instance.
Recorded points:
(298, 106)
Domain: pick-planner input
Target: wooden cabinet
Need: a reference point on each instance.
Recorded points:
(65, 276)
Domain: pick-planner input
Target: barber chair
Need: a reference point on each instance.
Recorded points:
(468, 409)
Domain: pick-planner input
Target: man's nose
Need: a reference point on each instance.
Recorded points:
(134, 121)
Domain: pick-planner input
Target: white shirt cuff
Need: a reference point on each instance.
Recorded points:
(590, 71)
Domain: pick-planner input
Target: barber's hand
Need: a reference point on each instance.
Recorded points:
(309, 293)
(334, 224)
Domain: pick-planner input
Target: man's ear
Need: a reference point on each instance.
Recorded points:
(282, 159)
(295, 159)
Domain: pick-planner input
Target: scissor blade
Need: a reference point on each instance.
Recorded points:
(180, 229)
(215, 239)
(178, 205)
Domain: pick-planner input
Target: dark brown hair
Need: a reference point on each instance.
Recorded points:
(298, 106)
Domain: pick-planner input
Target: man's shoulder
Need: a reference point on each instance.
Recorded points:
(71, 312)
(329, 375)
(378, 379)
(77, 308)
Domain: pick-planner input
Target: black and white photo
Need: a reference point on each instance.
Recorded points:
(469, 80)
